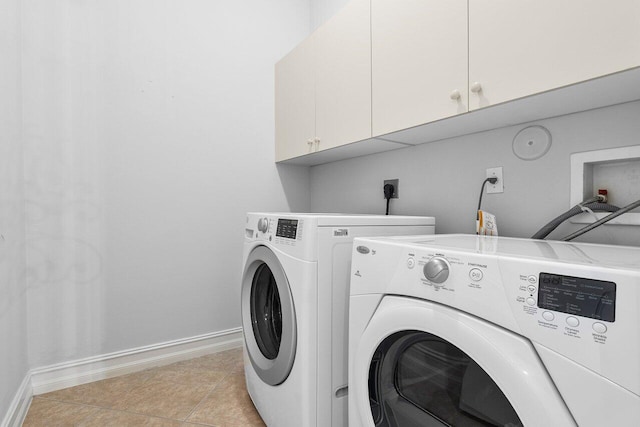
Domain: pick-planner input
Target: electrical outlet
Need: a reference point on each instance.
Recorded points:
(395, 183)
(498, 187)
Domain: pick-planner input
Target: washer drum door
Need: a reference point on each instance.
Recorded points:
(268, 316)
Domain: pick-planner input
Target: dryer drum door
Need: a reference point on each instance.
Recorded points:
(419, 379)
(419, 363)
(268, 316)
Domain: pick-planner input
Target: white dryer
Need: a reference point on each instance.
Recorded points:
(295, 295)
(458, 330)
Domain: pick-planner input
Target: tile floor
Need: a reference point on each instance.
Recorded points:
(208, 390)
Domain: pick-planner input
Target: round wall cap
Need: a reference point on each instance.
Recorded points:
(531, 143)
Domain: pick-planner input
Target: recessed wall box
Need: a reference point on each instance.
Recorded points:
(617, 170)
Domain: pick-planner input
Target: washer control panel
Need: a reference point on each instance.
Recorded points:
(274, 229)
(287, 228)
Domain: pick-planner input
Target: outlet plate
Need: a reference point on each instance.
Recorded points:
(395, 183)
(498, 187)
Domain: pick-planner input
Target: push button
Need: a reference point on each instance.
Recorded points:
(531, 288)
(600, 328)
(573, 321)
(411, 262)
(532, 279)
(475, 274)
(548, 316)
(531, 301)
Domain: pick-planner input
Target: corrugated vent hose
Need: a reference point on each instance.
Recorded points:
(577, 209)
(601, 221)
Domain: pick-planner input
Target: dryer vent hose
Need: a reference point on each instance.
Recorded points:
(601, 221)
(577, 209)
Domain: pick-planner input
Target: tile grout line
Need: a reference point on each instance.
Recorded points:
(207, 395)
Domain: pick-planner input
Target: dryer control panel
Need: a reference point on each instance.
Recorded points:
(577, 296)
(578, 300)
(566, 306)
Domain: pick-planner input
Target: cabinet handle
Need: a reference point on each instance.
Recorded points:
(309, 142)
(317, 140)
(476, 87)
(455, 95)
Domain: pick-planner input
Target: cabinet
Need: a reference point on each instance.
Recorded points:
(382, 73)
(295, 102)
(419, 62)
(520, 48)
(323, 87)
(514, 49)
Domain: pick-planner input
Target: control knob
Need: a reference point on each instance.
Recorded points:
(436, 270)
(263, 224)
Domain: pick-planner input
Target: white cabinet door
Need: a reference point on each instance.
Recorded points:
(518, 48)
(295, 101)
(419, 62)
(343, 82)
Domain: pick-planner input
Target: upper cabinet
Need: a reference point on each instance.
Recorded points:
(323, 87)
(388, 72)
(419, 62)
(295, 107)
(520, 48)
(343, 82)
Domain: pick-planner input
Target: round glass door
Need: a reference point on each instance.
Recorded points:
(268, 316)
(266, 312)
(419, 379)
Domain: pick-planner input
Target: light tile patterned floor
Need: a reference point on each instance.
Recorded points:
(209, 390)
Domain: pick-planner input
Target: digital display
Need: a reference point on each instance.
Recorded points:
(287, 228)
(575, 295)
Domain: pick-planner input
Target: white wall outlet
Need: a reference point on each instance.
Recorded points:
(498, 187)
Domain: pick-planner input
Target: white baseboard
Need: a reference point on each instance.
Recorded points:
(69, 374)
(20, 404)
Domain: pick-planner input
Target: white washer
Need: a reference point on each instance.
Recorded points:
(454, 330)
(295, 294)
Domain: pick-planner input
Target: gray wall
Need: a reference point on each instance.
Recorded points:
(13, 317)
(148, 134)
(443, 178)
